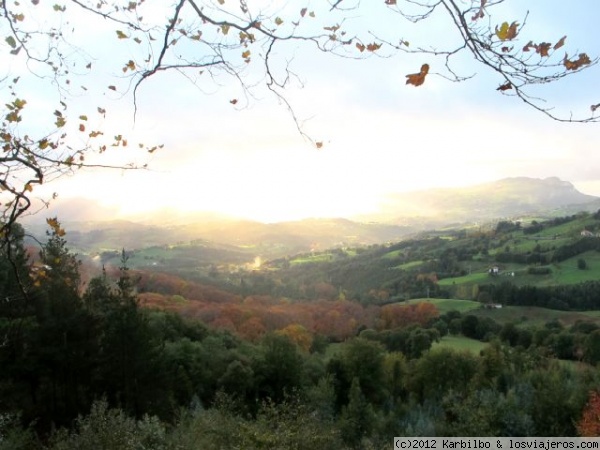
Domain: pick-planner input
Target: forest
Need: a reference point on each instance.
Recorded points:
(132, 360)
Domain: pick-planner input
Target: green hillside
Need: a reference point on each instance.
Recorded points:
(455, 263)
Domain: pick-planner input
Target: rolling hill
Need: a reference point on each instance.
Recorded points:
(91, 227)
(507, 198)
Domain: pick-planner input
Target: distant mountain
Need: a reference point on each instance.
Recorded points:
(93, 228)
(254, 238)
(506, 198)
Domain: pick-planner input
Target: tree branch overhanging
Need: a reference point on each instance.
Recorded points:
(235, 41)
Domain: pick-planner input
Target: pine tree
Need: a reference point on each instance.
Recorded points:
(358, 418)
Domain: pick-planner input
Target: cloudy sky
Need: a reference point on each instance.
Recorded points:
(379, 135)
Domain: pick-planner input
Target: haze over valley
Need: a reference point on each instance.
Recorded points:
(92, 226)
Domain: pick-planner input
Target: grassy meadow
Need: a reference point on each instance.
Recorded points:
(460, 343)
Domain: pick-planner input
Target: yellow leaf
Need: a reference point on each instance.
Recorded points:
(506, 31)
(225, 29)
(28, 187)
(60, 122)
(121, 35)
(83, 117)
(278, 21)
(13, 117)
(246, 54)
(54, 224)
(129, 66)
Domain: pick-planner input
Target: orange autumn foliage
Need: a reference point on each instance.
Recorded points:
(394, 316)
(252, 329)
(417, 79)
(298, 335)
(589, 424)
(253, 316)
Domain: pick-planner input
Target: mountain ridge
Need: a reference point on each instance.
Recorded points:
(403, 214)
(508, 197)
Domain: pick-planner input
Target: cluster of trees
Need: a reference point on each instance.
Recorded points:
(580, 342)
(577, 297)
(576, 248)
(535, 227)
(541, 256)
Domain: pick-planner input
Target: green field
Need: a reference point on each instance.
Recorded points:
(409, 265)
(531, 316)
(460, 343)
(477, 277)
(393, 254)
(449, 304)
(319, 257)
(523, 315)
(565, 272)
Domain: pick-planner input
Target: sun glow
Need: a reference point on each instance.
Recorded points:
(273, 177)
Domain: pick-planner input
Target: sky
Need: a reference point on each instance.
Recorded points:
(379, 135)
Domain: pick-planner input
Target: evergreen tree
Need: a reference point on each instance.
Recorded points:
(65, 337)
(358, 418)
(129, 363)
(19, 376)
